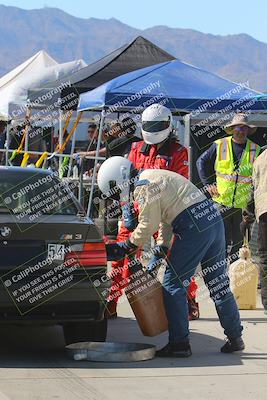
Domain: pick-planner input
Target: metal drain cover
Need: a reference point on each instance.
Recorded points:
(111, 352)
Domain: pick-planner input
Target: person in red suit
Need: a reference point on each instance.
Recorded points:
(160, 149)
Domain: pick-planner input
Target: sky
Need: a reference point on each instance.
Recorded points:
(223, 17)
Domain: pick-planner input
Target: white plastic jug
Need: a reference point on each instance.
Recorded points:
(244, 277)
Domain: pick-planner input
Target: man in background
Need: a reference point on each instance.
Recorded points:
(117, 140)
(225, 169)
(92, 134)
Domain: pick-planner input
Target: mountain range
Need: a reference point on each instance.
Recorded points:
(65, 37)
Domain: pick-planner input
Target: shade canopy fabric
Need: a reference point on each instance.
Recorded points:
(178, 85)
(138, 54)
(37, 70)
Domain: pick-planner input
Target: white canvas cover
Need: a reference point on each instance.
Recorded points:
(33, 73)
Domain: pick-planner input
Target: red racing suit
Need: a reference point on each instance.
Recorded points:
(171, 156)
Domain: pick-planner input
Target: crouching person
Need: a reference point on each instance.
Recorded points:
(168, 202)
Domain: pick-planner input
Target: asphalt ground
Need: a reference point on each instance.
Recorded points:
(34, 364)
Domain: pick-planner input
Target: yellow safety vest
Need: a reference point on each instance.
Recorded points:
(234, 184)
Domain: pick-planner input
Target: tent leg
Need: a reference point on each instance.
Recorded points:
(71, 153)
(7, 143)
(60, 135)
(80, 190)
(187, 142)
(96, 162)
(26, 147)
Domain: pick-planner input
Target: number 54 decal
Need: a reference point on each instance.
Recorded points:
(56, 251)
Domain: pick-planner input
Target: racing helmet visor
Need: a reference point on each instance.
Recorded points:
(155, 126)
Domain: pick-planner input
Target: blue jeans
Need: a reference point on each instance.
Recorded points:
(198, 238)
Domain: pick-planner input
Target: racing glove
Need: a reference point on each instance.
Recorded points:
(117, 251)
(159, 255)
(129, 216)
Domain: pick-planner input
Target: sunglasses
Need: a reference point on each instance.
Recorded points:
(240, 128)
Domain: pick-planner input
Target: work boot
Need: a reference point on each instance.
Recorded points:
(193, 310)
(233, 345)
(179, 350)
(111, 310)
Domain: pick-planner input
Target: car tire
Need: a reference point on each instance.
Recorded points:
(85, 331)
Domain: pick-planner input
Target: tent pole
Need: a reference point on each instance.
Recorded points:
(74, 127)
(7, 142)
(26, 145)
(71, 153)
(66, 124)
(60, 135)
(187, 142)
(96, 162)
(26, 138)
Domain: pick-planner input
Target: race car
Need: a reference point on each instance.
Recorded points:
(53, 261)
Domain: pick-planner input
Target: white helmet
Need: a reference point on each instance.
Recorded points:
(156, 124)
(115, 177)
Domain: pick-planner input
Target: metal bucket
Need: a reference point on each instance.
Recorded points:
(111, 352)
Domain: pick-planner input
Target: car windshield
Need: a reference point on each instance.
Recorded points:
(36, 194)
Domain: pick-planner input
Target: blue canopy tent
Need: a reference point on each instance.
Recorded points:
(180, 86)
(184, 88)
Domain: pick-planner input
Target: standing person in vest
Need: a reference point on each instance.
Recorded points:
(225, 169)
(160, 149)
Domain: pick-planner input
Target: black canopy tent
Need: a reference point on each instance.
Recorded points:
(139, 53)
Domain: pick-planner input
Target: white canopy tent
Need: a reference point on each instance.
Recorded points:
(14, 86)
(33, 73)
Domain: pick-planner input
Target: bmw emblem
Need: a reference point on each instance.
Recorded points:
(5, 232)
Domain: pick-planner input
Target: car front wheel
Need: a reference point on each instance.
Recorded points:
(85, 331)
